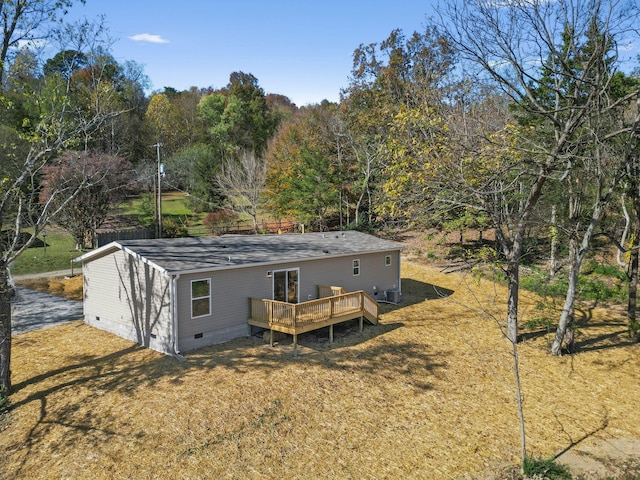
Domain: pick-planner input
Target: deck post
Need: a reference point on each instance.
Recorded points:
(361, 324)
(271, 337)
(331, 333)
(295, 344)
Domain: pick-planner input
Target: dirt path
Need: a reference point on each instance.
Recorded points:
(604, 459)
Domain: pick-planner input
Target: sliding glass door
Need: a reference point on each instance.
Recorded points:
(285, 285)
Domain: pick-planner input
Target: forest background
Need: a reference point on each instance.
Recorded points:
(520, 119)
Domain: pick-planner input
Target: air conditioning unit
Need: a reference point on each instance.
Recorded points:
(393, 296)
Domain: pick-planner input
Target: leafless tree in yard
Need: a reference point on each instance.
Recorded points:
(243, 181)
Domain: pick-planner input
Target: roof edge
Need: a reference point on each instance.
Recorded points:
(233, 266)
(114, 246)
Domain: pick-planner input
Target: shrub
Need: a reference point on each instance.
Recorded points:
(545, 468)
(146, 210)
(173, 229)
(219, 219)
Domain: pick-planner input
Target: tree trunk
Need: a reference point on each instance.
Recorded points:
(633, 283)
(577, 252)
(6, 292)
(633, 295)
(553, 230)
(516, 373)
(513, 290)
(566, 317)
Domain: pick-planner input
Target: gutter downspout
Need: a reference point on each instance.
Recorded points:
(400, 273)
(174, 317)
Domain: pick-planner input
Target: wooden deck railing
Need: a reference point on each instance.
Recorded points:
(329, 291)
(297, 318)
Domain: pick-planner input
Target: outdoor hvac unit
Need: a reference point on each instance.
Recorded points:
(393, 296)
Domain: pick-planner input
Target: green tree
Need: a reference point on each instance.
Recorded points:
(65, 63)
(191, 129)
(238, 116)
(219, 112)
(394, 119)
(313, 193)
(196, 168)
(26, 21)
(60, 123)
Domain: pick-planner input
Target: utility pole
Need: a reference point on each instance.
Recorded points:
(159, 196)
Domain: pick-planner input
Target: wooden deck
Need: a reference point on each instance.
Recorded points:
(334, 306)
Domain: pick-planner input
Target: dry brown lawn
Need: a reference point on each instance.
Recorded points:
(427, 394)
(69, 287)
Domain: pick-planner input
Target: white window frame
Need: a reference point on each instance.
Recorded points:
(387, 260)
(287, 270)
(356, 266)
(208, 297)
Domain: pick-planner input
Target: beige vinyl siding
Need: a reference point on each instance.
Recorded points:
(339, 272)
(230, 293)
(231, 290)
(128, 298)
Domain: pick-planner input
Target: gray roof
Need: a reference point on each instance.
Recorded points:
(181, 255)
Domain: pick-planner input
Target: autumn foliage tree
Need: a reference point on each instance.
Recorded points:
(303, 169)
(107, 180)
(395, 117)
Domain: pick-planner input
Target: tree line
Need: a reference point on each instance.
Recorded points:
(517, 116)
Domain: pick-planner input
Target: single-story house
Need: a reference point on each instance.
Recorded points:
(179, 294)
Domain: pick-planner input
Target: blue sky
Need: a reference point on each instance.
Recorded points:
(299, 48)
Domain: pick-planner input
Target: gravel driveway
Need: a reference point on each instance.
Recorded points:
(32, 310)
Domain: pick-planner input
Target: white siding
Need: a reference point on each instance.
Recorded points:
(129, 298)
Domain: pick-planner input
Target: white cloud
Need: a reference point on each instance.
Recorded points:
(147, 37)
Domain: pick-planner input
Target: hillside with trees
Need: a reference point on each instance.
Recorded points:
(518, 119)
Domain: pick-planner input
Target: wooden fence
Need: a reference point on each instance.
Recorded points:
(246, 227)
(115, 235)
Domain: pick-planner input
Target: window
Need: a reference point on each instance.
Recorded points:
(356, 267)
(387, 260)
(200, 298)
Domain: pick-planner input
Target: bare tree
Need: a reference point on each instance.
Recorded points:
(243, 181)
(526, 50)
(26, 21)
(62, 122)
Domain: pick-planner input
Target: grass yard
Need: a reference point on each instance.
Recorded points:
(427, 394)
(59, 252)
(173, 203)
